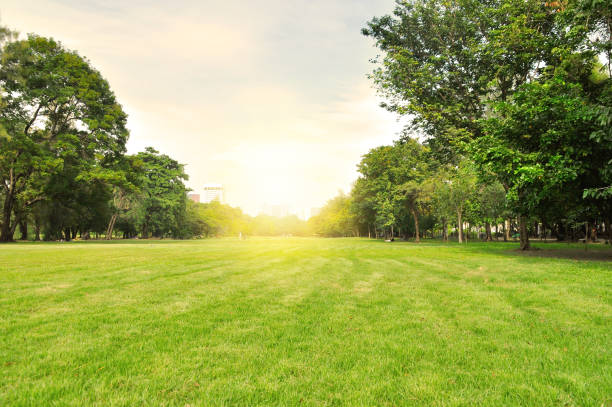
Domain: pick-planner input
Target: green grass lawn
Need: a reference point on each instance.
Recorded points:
(302, 322)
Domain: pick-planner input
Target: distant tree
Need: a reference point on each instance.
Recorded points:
(335, 219)
(164, 194)
(127, 179)
(363, 205)
(461, 192)
(393, 182)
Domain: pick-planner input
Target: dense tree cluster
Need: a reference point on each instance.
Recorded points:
(513, 99)
(63, 159)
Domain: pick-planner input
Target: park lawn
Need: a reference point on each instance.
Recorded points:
(302, 322)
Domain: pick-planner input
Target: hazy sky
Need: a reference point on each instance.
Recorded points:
(268, 97)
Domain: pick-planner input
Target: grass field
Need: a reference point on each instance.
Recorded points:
(302, 322)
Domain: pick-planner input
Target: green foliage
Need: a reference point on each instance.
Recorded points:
(516, 86)
(393, 185)
(164, 196)
(335, 219)
(62, 125)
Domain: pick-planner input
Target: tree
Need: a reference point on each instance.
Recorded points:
(363, 205)
(55, 104)
(127, 179)
(460, 191)
(491, 204)
(164, 194)
(335, 219)
(393, 182)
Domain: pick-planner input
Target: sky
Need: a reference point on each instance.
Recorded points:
(268, 97)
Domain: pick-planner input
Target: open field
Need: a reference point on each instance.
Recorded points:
(302, 322)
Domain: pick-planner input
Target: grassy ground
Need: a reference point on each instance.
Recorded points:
(302, 322)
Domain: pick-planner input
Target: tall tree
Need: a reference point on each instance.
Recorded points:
(55, 104)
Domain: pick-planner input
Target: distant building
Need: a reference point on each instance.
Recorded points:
(194, 197)
(213, 192)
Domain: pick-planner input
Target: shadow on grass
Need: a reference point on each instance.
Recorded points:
(586, 253)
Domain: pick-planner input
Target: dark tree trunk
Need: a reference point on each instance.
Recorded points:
(608, 230)
(488, 231)
(460, 226)
(444, 230)
(67, 234)
(145, 231)
(587, 232)
(416, 224)
(6, 234)
(23, 229)
(524, 235)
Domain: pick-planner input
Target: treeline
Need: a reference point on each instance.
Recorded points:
(403, 192)
(63, 162)
(513, 102)
(215, 219)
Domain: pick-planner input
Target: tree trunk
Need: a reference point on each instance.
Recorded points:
(587, 232)
(488, 231)
(23, 229)
(524, 236)
(609, 231)
(506, 230)
(67, 234)
(111, 226)
(444, 230)
(416, 224)
(6, 234)
(145, 230)
(460, 225)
